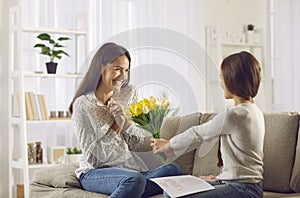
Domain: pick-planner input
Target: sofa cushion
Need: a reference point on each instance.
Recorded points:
(295, 181)
(279, 150)
(280, 195)
(176, 125)
(43, 191)
(58, 176)
(206, 165)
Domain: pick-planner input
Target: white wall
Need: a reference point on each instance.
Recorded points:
(232, 14)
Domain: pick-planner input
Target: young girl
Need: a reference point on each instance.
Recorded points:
(107, 138)
(240, 129)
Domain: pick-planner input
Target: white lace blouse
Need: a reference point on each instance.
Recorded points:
(101, 145)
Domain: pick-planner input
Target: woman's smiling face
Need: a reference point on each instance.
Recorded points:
(116, 73)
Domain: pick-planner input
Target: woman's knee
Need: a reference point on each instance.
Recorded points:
(136, 181)
(173, 169)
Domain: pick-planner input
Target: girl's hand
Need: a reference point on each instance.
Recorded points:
(160, 146)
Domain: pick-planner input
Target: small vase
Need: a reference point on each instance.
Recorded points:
(51, 67)
(73, 157)
(250, 36)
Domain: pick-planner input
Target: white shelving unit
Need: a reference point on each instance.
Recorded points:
(19, 76)
(219, 47)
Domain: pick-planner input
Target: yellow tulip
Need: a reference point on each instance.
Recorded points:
(165, 103)
(135, 109)
(146, 102)
(145, 109)
(154, 103)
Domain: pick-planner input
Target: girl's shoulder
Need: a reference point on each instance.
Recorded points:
(240, 112)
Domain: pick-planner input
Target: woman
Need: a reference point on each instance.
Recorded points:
(106, 137)
(240, 129)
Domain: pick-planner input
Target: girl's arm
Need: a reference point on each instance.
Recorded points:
(205, 135)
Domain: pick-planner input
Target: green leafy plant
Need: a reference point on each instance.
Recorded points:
(73, 150)
(53, 49)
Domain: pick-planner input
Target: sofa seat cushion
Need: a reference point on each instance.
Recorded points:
(279, 150)
(42, 191)
(176, 125)
(57, 176)
(280, 195)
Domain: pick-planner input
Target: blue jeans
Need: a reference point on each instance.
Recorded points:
(124, 183)
(229, 189)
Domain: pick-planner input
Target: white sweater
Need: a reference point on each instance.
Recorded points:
(242, 133)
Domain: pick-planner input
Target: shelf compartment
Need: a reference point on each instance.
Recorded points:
(241, 44)
(43, 165)
(28, 74)
(53, 30)
(51, 120)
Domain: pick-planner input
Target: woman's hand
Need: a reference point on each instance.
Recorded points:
(117, 111)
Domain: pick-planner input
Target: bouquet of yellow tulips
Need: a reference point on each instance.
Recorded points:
(149, 114)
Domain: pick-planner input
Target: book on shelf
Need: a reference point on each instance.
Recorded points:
(29, 112)
(36, 108)
(16, 105)
(40, 107)
(177, 186)
(44, 106)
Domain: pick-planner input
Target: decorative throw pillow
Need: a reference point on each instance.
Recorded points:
(295, 180)
(58, 176)
(279, 150)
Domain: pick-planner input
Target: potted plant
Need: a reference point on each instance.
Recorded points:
(250, 33)
(52, 50)
(250, 27)
(73, 154)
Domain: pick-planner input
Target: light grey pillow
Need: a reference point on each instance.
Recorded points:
(279, 150)
(58, 176)
(295, 181)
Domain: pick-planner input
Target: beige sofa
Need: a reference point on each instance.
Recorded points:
(281, 160)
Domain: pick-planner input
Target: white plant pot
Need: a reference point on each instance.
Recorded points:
(250, 37)
(73, 157)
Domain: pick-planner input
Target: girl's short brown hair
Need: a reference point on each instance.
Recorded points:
(241, 74)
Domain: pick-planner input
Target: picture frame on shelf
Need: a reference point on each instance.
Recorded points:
(56, 155)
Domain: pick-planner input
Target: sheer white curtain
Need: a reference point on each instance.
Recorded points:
(164, 39)
(286, 81)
